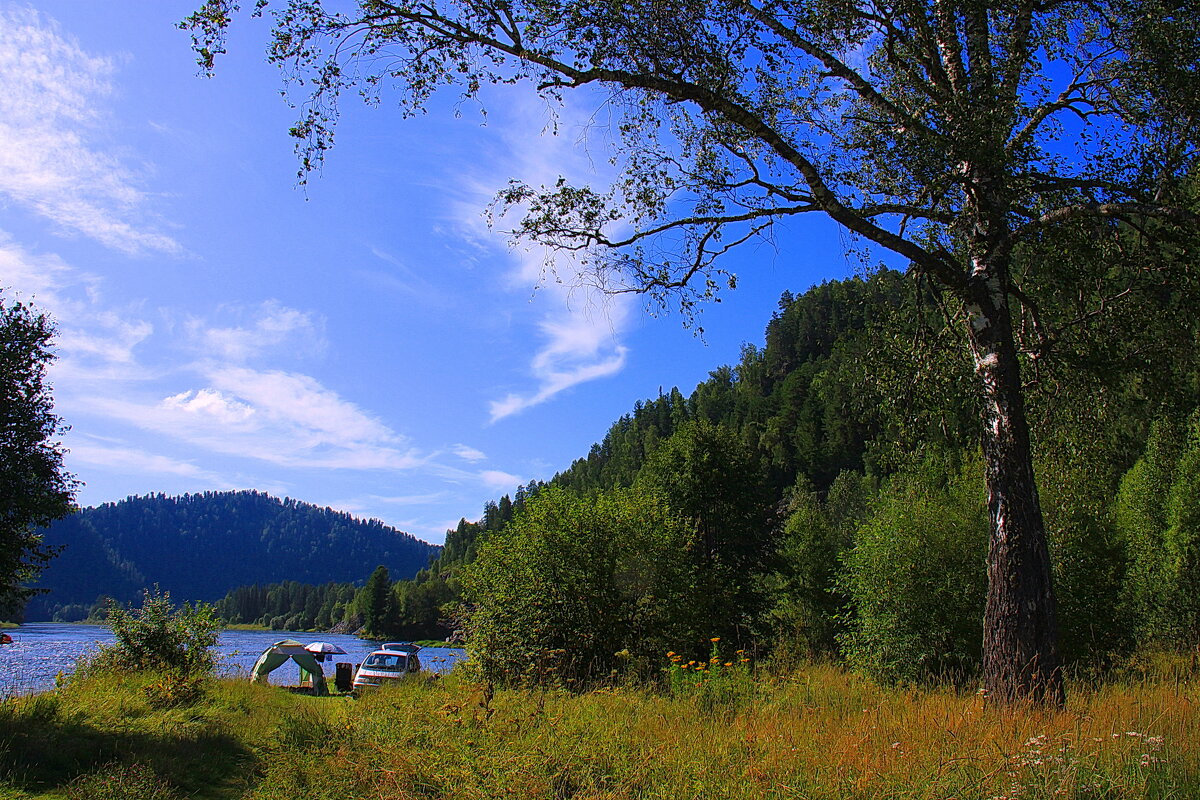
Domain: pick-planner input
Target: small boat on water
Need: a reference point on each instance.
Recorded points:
(5, 638)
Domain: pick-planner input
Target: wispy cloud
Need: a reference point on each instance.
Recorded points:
(39, 276)
(580, 336)
(117, 365)
(496, 480)
(136, 461)
(273, 326)
(280, 418)
(95, 341)
(410, 499)
(468, 453)
(554, 377)
(400, 278)
(51, 92)
(111, 339)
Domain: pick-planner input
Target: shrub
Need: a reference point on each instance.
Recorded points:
(160, 637)
(916, 577)
(579, 588)
(173, 690)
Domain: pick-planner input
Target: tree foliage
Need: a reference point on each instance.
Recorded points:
(915, 578)
(808, 607)
(1158, 515)
(843, 356)
(289, 605)
(35, 487)
(158, 636)
(378, 604)
(578, 587)
(710, 478)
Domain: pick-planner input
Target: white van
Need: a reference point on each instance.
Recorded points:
(391, 663)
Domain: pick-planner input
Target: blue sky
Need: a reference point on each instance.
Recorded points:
(366, 342)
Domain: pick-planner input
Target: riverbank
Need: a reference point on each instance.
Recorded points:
(41, 650)
(818, 733)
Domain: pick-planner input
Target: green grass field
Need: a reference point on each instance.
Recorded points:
(817, 732)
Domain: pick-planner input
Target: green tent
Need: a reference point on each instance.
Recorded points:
(278, 654)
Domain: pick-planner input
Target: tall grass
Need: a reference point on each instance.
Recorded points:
(817, 732)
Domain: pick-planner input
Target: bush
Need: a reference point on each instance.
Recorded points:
(159, 637)
(173, 690)
(579, 588)
(917, 577)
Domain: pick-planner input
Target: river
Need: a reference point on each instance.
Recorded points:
(41, 650)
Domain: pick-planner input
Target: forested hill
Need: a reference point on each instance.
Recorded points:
(200, 546)
(823, 497)
(842, 382)
(834, 501)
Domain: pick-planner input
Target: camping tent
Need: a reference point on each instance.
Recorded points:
(278, 654)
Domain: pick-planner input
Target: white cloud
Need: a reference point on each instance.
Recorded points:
(301, 402)
(468, 453)
(115, 364)
(273, 326)
(410, 499)
(577, 350)
(496, 480)
(50, 95)
(557, 380)
(581, 334)
(93, 341)
(111, 338)
(280, 418)
(39, 277)
(221, 410)
(401, 278)
(130, 460)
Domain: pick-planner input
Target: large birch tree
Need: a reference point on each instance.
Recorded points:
(958, 134)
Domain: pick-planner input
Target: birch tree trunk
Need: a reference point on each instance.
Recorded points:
(1021, 659)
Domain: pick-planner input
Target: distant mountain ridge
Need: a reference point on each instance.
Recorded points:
(200, 546)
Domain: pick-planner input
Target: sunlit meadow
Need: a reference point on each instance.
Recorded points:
(813, 732)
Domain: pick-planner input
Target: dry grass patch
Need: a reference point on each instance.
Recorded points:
(818, 733)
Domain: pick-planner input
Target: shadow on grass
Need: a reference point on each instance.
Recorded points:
(43, 747)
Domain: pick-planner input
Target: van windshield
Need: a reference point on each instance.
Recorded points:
(387, 661)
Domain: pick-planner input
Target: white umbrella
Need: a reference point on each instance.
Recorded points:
(323, 649)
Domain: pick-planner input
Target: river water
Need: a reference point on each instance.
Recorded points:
(41, 650)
